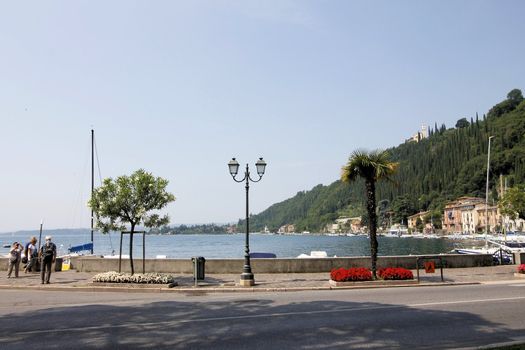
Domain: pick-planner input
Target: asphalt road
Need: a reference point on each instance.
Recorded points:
(408, 318)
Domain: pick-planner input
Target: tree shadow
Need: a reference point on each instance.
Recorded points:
(255, 324)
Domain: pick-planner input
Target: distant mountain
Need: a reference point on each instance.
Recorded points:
(59, 231)
(448, 164)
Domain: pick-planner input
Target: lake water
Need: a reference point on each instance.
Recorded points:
(232, 246)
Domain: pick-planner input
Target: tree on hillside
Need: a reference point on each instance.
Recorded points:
(371, 166)
(462, 123)
(130, 200)
(402, 208)
(515, 96)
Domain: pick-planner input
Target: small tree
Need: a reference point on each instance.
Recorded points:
(512, 203)
(419, 225)
(130, 200)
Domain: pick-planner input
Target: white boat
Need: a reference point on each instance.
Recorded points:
(501, 250)
(314, 254)
(397, 231)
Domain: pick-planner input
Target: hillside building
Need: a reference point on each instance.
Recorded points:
(420, 135)
(345, 225)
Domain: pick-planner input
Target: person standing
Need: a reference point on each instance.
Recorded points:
(31, 254)
(47, 255)
(14, 259)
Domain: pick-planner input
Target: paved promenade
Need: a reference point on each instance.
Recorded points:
(81, 281)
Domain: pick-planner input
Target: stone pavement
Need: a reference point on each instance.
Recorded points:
(81, 281)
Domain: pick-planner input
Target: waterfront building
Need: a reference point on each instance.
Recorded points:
(345, 224)
(289, 228)
(490, 214)
(412, 220)
(517, 225)
(453, 217)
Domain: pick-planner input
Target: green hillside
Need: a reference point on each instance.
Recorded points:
(448, 164)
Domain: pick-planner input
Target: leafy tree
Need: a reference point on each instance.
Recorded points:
(130, 200)
(402, 208)
(462, 123)
(371, 166)
(512, 203)
(515, 96)
(419, 225)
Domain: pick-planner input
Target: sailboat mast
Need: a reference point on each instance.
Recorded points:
(92, 180)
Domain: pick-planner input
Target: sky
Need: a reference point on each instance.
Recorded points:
(178, 88)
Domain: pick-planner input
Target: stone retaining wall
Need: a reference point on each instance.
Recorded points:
(289, 265)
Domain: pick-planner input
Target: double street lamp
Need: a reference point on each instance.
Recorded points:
(247, 275)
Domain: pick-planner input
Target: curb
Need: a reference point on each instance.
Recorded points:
(198, 290)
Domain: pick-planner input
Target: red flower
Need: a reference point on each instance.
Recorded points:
(351, 274)
(521, 268)
(395, 273)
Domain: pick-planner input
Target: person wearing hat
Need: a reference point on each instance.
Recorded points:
(47, 255)
(14, 259)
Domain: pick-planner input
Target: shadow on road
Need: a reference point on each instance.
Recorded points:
(241, 324)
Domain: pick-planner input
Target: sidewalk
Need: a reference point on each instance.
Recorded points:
(81, 281)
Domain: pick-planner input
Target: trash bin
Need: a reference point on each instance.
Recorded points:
(58, 264)
(198, 267)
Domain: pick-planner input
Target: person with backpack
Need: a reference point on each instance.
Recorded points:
(47, 255)
(14, 259)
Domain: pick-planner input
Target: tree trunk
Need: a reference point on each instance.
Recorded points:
(372, 222)
(131, 248)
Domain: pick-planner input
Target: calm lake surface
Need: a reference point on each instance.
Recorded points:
(232, 246)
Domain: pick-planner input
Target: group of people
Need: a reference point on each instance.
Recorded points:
(30, 255)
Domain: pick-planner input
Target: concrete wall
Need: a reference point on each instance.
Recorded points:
(519, 258)
(291, 265)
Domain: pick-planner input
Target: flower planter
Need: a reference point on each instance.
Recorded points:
(135, 285)
(519, 275)
(376, 283)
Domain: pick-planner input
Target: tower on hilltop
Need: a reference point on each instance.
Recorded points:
(424, 131)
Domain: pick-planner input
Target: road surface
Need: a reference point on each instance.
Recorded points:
(415, 318)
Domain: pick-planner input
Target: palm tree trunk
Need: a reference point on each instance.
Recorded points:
(131, 248)
(372, 222)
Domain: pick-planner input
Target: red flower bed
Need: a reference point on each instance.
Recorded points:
(395, 273)
(521, 268)
(351, 274)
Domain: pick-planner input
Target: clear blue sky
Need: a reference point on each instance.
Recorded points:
(178, 88)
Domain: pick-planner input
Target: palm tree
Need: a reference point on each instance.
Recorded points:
(371, 166)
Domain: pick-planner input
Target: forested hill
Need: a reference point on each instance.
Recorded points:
(448, 164)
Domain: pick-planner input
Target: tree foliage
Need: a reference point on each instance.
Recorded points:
(512, 203)
(129, 201)
(462, 123)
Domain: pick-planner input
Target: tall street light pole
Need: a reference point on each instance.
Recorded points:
(487, 195)
(247, 279)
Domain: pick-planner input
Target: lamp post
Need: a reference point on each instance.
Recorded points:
(487, 196)
(247, 275)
